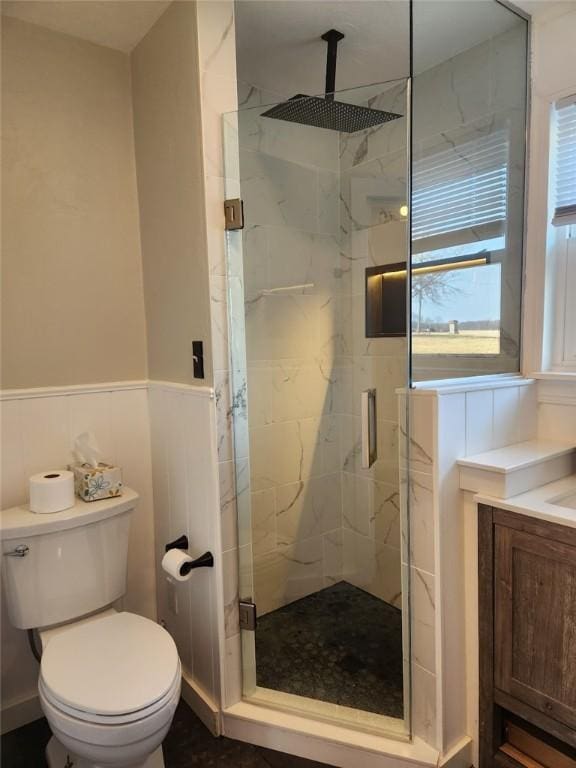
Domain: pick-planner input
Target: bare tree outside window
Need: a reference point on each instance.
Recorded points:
(454, 312)
(434, 287)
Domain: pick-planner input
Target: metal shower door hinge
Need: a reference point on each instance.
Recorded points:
(247, 615)
(234, 214)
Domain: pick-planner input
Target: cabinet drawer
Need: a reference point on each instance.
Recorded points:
(535, 621)
(533, 750)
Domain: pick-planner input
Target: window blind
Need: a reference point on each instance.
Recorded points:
(565, 163)
(459, 195)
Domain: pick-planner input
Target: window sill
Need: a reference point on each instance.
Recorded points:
(471, 383)
(567, 376)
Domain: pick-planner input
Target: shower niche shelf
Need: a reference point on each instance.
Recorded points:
(386, 300)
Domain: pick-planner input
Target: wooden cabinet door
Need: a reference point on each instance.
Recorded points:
(535, 621)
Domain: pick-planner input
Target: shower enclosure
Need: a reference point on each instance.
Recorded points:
(351, 230)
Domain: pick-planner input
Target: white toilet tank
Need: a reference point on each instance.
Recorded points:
(73, 562)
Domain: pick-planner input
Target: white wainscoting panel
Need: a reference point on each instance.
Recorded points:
(38, 431)
(185, 479)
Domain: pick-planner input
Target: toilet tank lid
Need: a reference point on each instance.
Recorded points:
(110, 666)
(19, 522)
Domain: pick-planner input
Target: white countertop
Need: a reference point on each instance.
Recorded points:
(517, 456)
(538, 503)
(19, 522)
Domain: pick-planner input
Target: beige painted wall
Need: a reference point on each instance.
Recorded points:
(167, 126)
(72, 304)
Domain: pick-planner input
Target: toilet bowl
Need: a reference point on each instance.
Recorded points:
(109, 687)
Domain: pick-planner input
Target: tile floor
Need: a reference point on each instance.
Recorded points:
(188, 745)
(340, 645)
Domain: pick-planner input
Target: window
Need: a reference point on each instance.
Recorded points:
(565, 163)
(459, 214)
(563, 235)
(460, 193)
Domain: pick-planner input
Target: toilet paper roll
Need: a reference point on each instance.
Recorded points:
(173, 560)
(51, 491)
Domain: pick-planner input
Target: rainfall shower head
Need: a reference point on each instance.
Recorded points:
(326, 112)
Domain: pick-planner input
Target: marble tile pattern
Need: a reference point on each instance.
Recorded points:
(295, 291)
(218, 97)
(311, 224)
(373, 188)
(291, 290)
(443, 428)
(310, 358)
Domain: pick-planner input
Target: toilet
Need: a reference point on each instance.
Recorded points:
(109, 680)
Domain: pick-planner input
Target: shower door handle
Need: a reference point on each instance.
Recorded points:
(369, 450)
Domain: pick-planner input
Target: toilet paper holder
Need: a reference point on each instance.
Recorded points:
(204, 561)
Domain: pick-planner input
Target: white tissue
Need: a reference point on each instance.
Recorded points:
(173, 560)
(86, 449)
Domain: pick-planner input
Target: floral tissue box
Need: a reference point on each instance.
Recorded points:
(94, 483)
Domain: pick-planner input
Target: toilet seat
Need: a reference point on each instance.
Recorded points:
(98, 741)
(118, 669)
(99, 719)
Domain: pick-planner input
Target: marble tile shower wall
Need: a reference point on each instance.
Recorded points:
(293, 290)
(218, 71)
(374, 167)
(444, 427)
(469, 95)
(217, 63)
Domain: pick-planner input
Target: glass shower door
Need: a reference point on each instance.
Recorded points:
(318, 318)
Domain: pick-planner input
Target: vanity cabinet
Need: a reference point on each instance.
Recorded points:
(527, 621)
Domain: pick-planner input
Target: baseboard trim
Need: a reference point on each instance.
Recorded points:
(201, 704)
(323, 742)
(460, 756)
(20, 713)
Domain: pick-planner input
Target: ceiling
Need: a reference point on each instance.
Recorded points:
(538, 8)
(119, 24)
(278, 41)
(279, 47)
